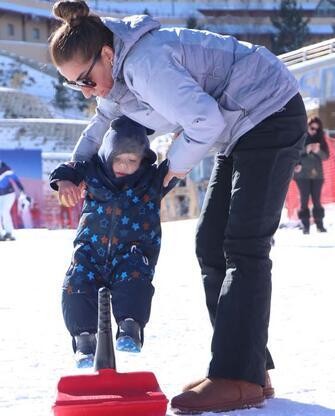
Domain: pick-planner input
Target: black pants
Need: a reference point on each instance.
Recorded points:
(307, 188)
(241, 213)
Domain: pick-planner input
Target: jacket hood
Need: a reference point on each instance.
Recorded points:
(125, 136)
(127, 32)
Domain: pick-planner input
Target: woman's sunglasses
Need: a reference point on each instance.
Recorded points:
(312, 128)
(85, 81)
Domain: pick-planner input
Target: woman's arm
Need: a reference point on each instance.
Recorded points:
(170, 90)
(324, 149)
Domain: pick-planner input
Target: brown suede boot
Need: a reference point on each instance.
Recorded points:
(219, 395)
(268, 390)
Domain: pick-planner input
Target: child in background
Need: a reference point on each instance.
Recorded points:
(118, 238)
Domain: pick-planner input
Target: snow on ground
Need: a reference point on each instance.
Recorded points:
(30, 80)
(22, 77)
(35, 350)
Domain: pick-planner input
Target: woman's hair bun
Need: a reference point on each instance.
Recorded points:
(71, 12)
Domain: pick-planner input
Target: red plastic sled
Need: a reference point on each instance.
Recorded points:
(107, 392)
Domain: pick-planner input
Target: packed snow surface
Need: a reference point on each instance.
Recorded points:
(35, 349)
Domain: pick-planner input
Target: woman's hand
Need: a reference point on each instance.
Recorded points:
(298, 168)
(315, 147)
(170, 175)
(69, 194)
(309, 148)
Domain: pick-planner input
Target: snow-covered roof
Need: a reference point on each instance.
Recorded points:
(8, 122)
(165, 9)
(187, 8)
(240, 29)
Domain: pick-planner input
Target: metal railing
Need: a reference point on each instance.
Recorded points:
(308, 53)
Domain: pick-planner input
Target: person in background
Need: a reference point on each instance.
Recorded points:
(309, 175)
(217, 93)
(8, 182)
(24, 205)
(118, 238)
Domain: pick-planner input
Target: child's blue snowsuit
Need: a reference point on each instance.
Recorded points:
(117, 244)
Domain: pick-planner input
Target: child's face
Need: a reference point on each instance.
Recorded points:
(126, 164)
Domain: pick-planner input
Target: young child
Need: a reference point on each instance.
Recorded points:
(118, 238)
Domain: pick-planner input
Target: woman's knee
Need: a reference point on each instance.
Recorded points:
(248, 247)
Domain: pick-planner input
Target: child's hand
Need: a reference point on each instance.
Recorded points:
(69, 194)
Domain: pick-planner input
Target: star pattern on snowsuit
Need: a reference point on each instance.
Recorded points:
(108, 195)
(109, 210)
(124, 275)
(104, 223)
(94, 238)
(135, 226)
(146, 226)
(124, 220)
(90, 275)
(114, 262)
(104, 239)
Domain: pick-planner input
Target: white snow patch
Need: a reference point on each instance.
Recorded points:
(35, 349)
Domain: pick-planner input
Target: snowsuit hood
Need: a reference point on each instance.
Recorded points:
(125, 136)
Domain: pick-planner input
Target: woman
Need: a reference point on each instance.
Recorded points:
(309, 175)
(218, 93)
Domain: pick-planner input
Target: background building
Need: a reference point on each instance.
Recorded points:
(37, 113)
(26, 23)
